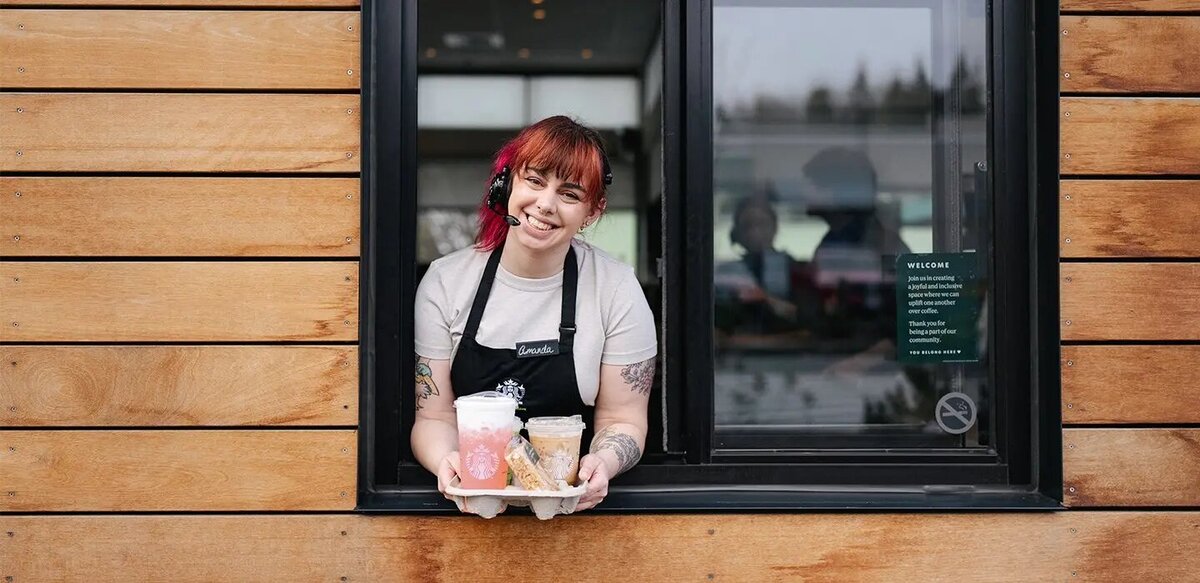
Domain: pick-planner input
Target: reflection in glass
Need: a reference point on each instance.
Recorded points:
(845, 136)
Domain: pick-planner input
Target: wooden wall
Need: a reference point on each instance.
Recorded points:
(179, 244)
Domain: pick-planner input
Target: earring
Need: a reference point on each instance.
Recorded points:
(582, 227)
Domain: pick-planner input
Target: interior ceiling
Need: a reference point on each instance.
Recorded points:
(487, 36)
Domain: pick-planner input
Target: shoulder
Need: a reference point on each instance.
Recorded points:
(453, 264)
(607, 269)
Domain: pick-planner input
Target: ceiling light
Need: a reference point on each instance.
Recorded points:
(539, 14)
(537, 1)
(430, 53)
(523, 53)
(586, 53)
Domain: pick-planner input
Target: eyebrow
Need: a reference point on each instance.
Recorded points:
(572, 185)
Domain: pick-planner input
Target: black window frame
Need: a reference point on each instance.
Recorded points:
(689, 476)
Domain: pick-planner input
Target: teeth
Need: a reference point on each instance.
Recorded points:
(539, 225)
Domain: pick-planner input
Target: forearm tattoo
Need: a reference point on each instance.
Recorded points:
(622, 444)
(425, 386)
(640, 376)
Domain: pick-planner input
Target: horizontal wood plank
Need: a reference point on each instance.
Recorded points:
(179, 132)
(110, 216)
(178, 301)
(1130, 301)
(177, 49)
(1115, 54)
(1130, 384)
(1129, 5)
(1113, 135)
(1129, 218)
(1131, 467)
(298, 4)
(1065, 546)
(135, 470)
(178, 385)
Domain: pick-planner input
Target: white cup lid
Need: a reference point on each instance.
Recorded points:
(544, 425)
(487, 401)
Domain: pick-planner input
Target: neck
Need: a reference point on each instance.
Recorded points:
(523, 262)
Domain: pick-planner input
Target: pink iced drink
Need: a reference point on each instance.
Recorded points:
(485, 424)
(482, 455)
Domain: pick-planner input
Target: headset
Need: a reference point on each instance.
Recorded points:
(501, 186)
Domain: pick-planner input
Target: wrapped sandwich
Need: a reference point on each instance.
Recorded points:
(527, 472)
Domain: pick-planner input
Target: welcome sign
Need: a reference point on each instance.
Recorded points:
(937, 307)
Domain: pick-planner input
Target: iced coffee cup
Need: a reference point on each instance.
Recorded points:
(556, 440)
(485, 425)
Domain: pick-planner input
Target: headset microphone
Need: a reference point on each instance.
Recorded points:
(498, 195)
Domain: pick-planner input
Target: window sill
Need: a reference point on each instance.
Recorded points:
(637, 499)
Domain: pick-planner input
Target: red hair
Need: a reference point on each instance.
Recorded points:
(557, 144)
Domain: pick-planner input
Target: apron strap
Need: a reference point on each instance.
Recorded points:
(482, 293)
(566, 327)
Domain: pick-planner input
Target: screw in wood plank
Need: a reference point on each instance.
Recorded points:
(344, 450)
(1073, 531)
(16, 238)
(346, 322)
(20, 110)
(349, 196)
(1072, 573)
(12, 409)
(20, 26)
(1068, 197)
(349, 239)
(343, 494)
(349, 71)
(17, 194)
(1070, 363)
(16, 324)
(1066, 76)
(1067, 113)
(349, 111)
(8, 579)
(12, 493)
(347, 278)
(345, 579)
(712, 531)
(11, 534)
(16, 280)
(710, 576)
(1068, 280)
(1068, 322)
(1071, 406)
(13, 449)
(1067, 240)
(20, 153)
(350, 28)
(343, 533)
(1064, 32)
(1070, 446)
(20, 69)
(345, 406)
(349, 155)
(1071, 489)
(1067, 156)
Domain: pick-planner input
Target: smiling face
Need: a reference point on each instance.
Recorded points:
(551, 209)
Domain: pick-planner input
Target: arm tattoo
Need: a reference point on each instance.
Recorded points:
(640, 376)
(622, 444)
(425, 386)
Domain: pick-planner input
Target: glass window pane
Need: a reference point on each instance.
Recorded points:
(848, 137)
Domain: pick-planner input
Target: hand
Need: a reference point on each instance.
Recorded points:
(595, 472)
(447, 469)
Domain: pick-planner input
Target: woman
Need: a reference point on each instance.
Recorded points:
(528, 283)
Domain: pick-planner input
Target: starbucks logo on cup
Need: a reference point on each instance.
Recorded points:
(482, 462)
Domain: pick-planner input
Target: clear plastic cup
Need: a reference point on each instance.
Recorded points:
(556, 440)
(485, 425)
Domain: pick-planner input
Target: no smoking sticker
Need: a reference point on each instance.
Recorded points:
(955, 413)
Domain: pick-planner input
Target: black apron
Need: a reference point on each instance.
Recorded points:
(544, 384)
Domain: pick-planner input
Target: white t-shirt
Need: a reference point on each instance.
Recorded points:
(613, 321)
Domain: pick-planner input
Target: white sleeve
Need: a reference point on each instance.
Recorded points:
(629, 335)
(431, 317)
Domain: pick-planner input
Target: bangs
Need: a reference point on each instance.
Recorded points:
(570, 156)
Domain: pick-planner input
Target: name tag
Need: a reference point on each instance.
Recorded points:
(537, 348)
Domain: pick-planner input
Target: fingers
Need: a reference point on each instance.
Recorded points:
(592, 470)
(446, 471)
